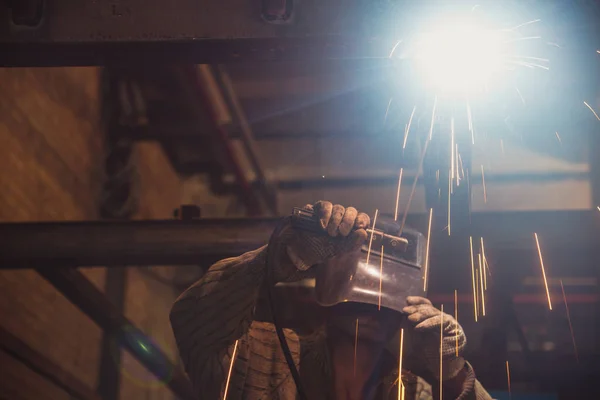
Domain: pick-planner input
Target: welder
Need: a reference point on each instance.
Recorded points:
(349, 354)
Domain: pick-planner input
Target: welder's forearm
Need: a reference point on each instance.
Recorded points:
(465, 386)
(479, 393)
(218, 309)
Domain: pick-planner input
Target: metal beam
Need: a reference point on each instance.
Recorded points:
(45, 367)
(100, 33)
(172, 242)
(92, 302)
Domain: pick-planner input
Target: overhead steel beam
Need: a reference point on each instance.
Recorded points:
(173, 242)
(135, 31)
(99, 33)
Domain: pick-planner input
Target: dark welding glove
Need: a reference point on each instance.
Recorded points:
(344, 231)
(428, 322)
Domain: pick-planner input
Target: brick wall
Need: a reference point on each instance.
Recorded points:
(50, 163)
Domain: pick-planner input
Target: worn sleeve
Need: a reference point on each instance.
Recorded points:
(472, 389)
(212, 314)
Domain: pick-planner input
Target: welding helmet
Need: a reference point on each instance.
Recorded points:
(376, 277)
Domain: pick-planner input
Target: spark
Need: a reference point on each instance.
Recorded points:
(456, 317)
(452, 148)
(414, 186)
(462, 169)
(484, 259)
(569, 319)
(470, 192)
(522, 39)
(532, 58)
(380, 277)
(524, 24)
(398, 195)
(230, 369)
(441, 347)
(408, 127)
(449, 201)
(432, 117)
(387, 110)
(598, 207)
(558, 137)
(372, 231)
(537, 241)
(477, 290)
(427, 251)
(394, 48)
(592, 110)
(473, 278)
(528, 64)
(508, 380)
(470, 118)
(520, 95)
(400, 384)
(483, 183)
(355, 345)
(481, 278)
(458, 162)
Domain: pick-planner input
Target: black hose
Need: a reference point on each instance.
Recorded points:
(270, 265)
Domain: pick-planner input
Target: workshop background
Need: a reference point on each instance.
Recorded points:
(255, 139)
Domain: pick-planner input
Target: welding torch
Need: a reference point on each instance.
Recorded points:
(306, 220)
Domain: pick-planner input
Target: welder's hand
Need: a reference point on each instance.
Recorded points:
(428, 322)
(345, 230)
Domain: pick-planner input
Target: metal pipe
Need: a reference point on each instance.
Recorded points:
(45, 367)
(204, 85)
(91, 301)
(174, 242)
(113, 243)
(247, 136)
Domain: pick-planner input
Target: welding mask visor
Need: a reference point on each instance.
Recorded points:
(381, 278)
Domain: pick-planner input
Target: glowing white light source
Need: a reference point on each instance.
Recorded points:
(459, 57)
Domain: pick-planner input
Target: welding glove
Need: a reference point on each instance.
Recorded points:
(345, 230)
(428, 322)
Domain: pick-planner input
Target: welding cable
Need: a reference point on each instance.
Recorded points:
(272, 252)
